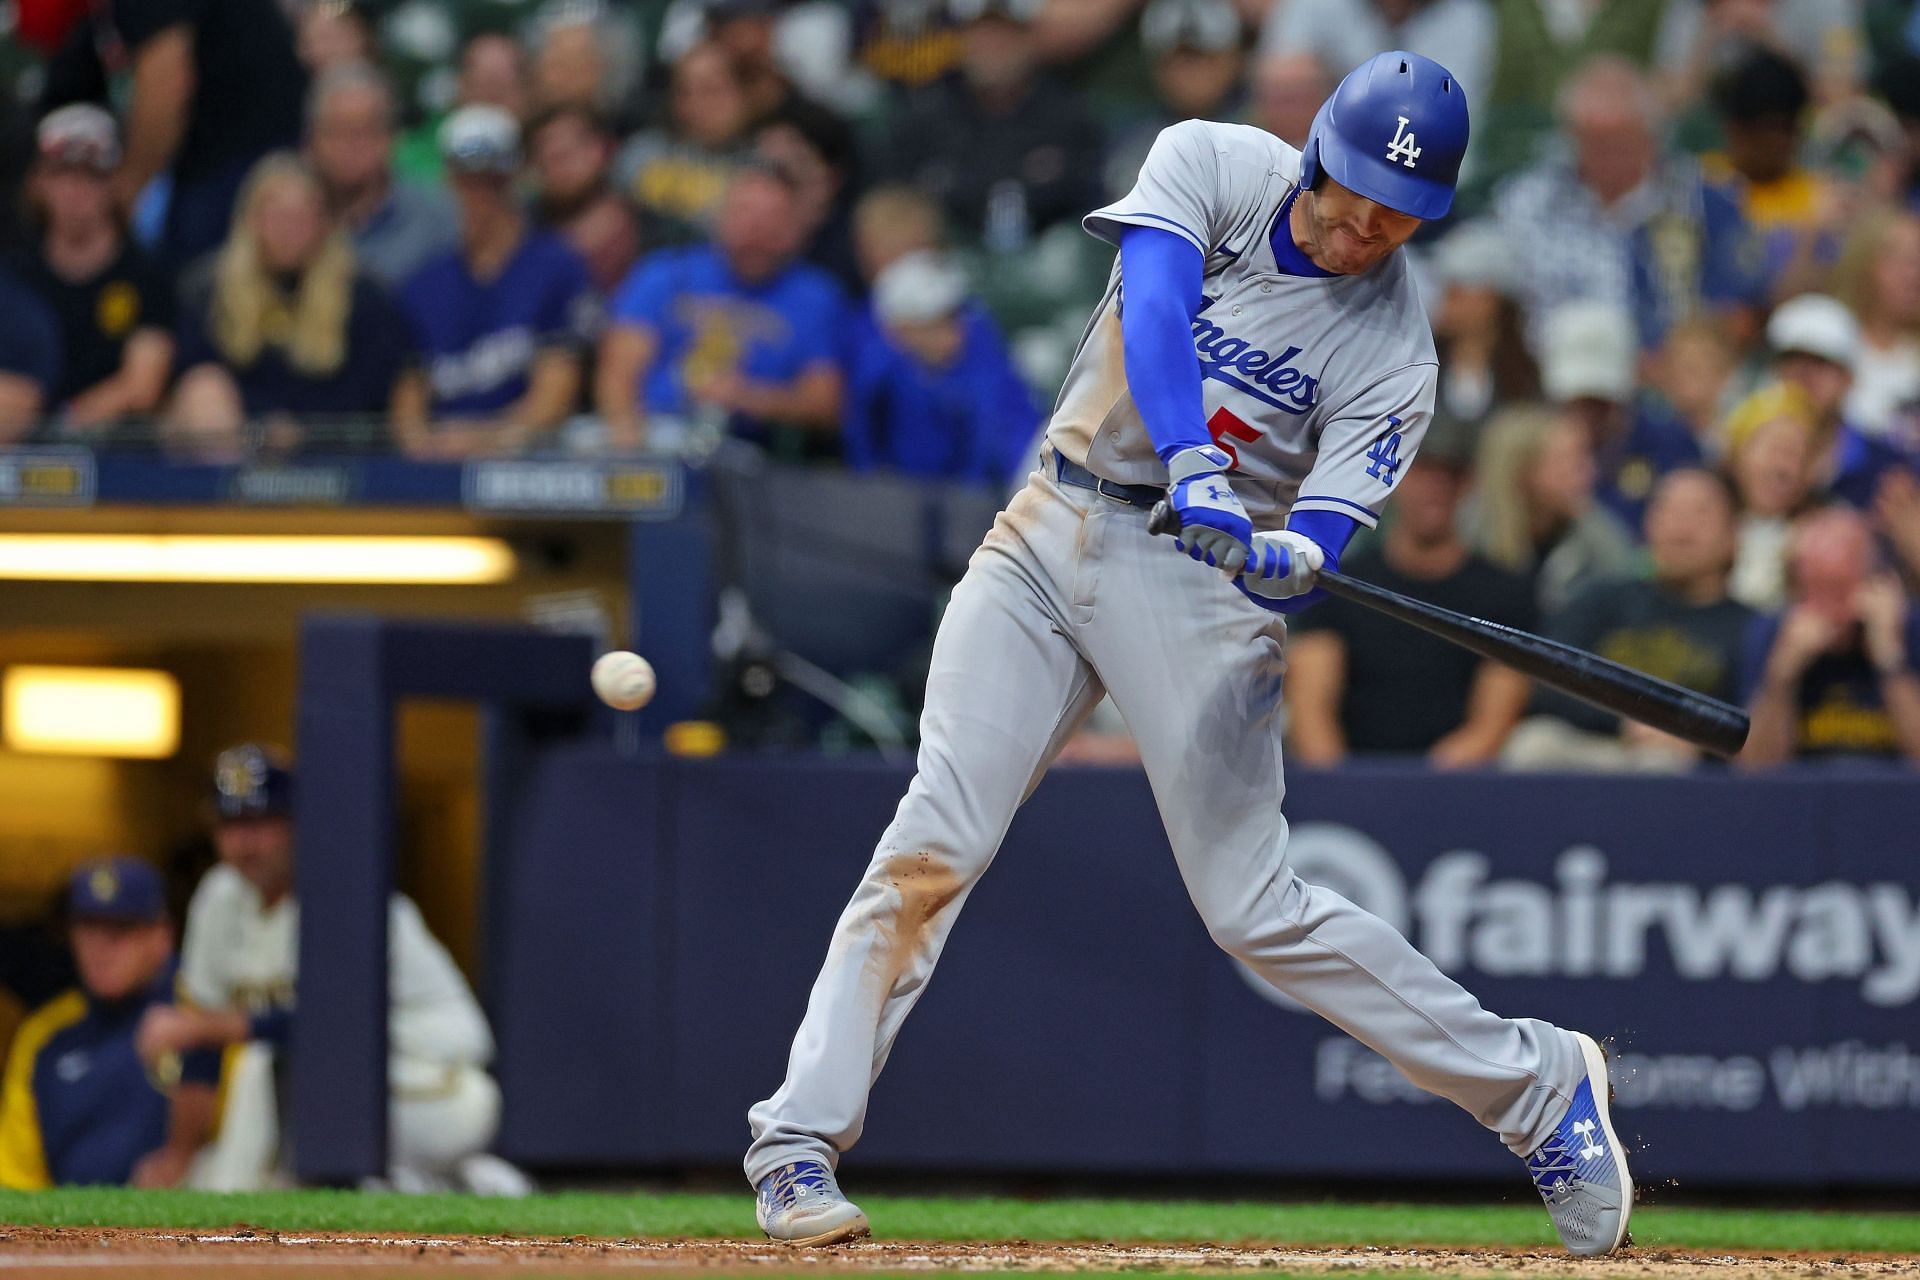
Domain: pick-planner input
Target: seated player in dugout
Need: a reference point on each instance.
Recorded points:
(78, 1106)
(237, 989)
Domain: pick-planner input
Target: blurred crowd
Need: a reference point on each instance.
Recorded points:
(1677, 305)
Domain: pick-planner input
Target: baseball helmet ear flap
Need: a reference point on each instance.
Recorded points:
(1394, 131)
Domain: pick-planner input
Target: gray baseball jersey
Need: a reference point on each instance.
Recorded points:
(1320, 387)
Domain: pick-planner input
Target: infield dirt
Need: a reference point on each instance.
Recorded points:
(240, 1253)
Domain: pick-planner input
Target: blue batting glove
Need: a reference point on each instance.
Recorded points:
(1214, 527)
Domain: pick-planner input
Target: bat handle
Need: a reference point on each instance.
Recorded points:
(1163, 519)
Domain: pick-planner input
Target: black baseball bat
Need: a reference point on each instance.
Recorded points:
(1703, 721)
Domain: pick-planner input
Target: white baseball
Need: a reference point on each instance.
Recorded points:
(623, 680)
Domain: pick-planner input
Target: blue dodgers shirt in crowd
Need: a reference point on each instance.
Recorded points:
(29, 335)
(973, 420)
(710, 322)
(478, 338)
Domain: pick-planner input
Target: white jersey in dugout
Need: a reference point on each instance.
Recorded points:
(239, 953)
(1321, 388)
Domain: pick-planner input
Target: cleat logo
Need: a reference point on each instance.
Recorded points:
(1404, 147)
(1587, 1129)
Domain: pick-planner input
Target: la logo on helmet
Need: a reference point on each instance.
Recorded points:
(1402, 147)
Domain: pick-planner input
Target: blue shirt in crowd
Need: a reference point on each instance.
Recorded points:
(973, 420)
(710, 322)
(478, 338)
(1655, 444)
(78, 1105)
(29, 336)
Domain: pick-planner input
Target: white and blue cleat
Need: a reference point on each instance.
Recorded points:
(801, 1204)
(1580, 1170)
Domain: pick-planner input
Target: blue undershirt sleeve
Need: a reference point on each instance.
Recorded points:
(1160, 275)
(1328, 528)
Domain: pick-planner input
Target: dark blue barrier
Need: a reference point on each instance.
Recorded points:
(1754, 944)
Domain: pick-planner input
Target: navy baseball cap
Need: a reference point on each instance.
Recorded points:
(252, 781)
(124, 889)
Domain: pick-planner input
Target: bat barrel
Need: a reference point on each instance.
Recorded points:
(1589, 677)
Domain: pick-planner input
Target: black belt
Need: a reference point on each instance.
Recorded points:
(1142, 496)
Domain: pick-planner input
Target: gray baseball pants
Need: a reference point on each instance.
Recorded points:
(1068, 598)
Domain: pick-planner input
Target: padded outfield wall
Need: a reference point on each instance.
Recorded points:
(1753, 945)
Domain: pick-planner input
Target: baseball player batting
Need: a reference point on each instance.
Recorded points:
(1262, 362)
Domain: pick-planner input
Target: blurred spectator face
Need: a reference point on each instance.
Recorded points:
(999, 57)
(72, 195)
(1427, 502)
(1761, 150)
(1193, 83)
(1896, 274)
(1469, 309)
(1694, 367)
(1759, 98)
(815, 179)
(118, 958)
(935, 343)
(289, 222)
(1348, 233)
(261, 850)
(1772, 468)
(1607, 116)
(747, 36)
(1691, 532)
(493, 70)
(1559, 483)
(351, 137)
(78, 148)
(570, 159)
(1288, 89)
(570, 66)
(333, 34)
(758, 229)
(1824, 383)
(709, 105)
(889, 224)
(480, 196)
(1832, 554)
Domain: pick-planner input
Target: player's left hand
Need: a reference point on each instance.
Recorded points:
(1214, 527)
(1280, 576)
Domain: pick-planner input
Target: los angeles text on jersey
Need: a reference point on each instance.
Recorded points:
(1270, 379)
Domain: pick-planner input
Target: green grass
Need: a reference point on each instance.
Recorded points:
(971, 1218)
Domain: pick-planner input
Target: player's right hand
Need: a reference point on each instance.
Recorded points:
(1214, 527)
(1281, 573)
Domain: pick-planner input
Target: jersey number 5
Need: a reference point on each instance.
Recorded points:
(1224, 423)
(1383, 458)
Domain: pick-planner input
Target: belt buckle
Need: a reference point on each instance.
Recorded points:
(1100, 485)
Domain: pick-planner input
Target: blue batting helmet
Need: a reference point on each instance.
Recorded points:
(1394, 131)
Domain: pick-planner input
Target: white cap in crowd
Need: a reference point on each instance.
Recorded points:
(1814, 324)
(481, 139)
(80, 134)
(918, 288)
(1476, 255)
(1589, 351)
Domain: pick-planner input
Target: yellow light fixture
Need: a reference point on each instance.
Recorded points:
(91, 711)
(400, 561)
